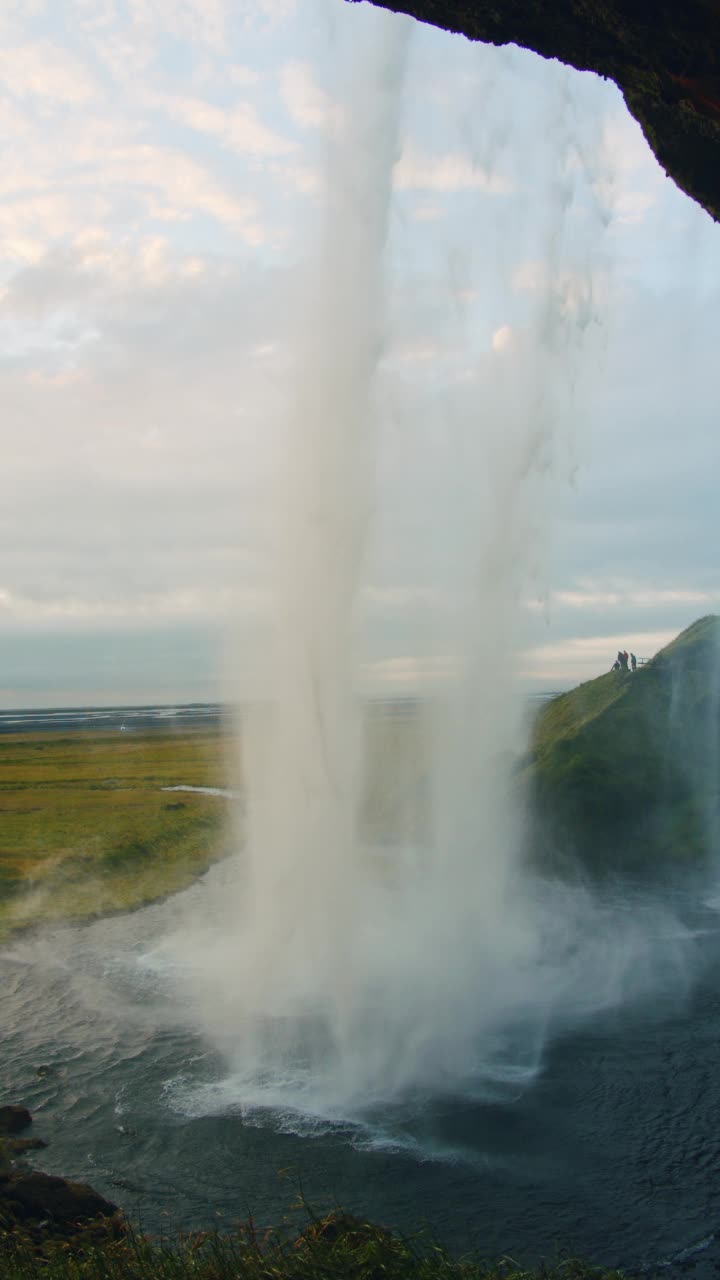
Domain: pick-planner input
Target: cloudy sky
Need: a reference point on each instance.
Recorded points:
(164, 176)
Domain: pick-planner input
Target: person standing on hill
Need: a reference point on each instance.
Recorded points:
(633, 662)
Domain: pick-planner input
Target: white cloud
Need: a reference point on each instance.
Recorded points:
(57, 381)
(200, 22)
(183, 183)
(579, 294)
(531, 276)
(535, 276)
(154, 609)
(626, 145)
(632, 598)
(427, 213)
(502, 338)
(404, 599)
(28, 226)
(308, 105)
(305, 178)
(419, 350)
(630, 180)
(94, 170)
(409, 674)
(46, 71)
(146, 335)
(630, 207)
(275, 12)
(583, 657)
(14, 122)
(418, 170)
(238, 128)
(242, 77)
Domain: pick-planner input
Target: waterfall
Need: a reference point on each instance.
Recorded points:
(346, 967)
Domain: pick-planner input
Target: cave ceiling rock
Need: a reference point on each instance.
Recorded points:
(663, 56)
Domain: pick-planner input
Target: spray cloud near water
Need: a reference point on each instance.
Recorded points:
(360, 957)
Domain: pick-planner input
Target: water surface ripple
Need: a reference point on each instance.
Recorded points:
(612, 1152)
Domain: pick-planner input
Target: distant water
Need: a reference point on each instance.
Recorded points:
(172, 716)
(125, 719)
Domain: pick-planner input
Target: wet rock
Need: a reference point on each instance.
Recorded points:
(36, 1205)
(17, 1146)
(13, 1119)
(32, 1200)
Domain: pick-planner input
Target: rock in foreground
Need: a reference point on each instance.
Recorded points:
(13, 1119)
(38, 1205)
(36, 1202)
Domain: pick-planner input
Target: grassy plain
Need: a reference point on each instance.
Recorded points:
(86, 829)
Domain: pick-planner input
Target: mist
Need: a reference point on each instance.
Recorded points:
(382, 932)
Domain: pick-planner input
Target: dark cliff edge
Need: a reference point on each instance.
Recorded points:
(623, 771)
(664, 57)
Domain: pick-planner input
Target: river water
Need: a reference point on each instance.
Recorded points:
(611, 1151)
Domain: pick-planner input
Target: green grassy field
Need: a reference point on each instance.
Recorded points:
(623, 769)
(86, 829)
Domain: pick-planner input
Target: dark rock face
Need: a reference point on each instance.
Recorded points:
(29, 1199)
(664, 57)
(18, 1146)
(36, 1206)
(27, 1196)
(13, 1119)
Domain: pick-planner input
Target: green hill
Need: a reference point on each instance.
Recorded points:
(623, 770)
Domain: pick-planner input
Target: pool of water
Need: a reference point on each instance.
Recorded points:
(611, 1151)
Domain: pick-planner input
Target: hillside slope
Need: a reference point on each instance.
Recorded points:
(624, 769)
